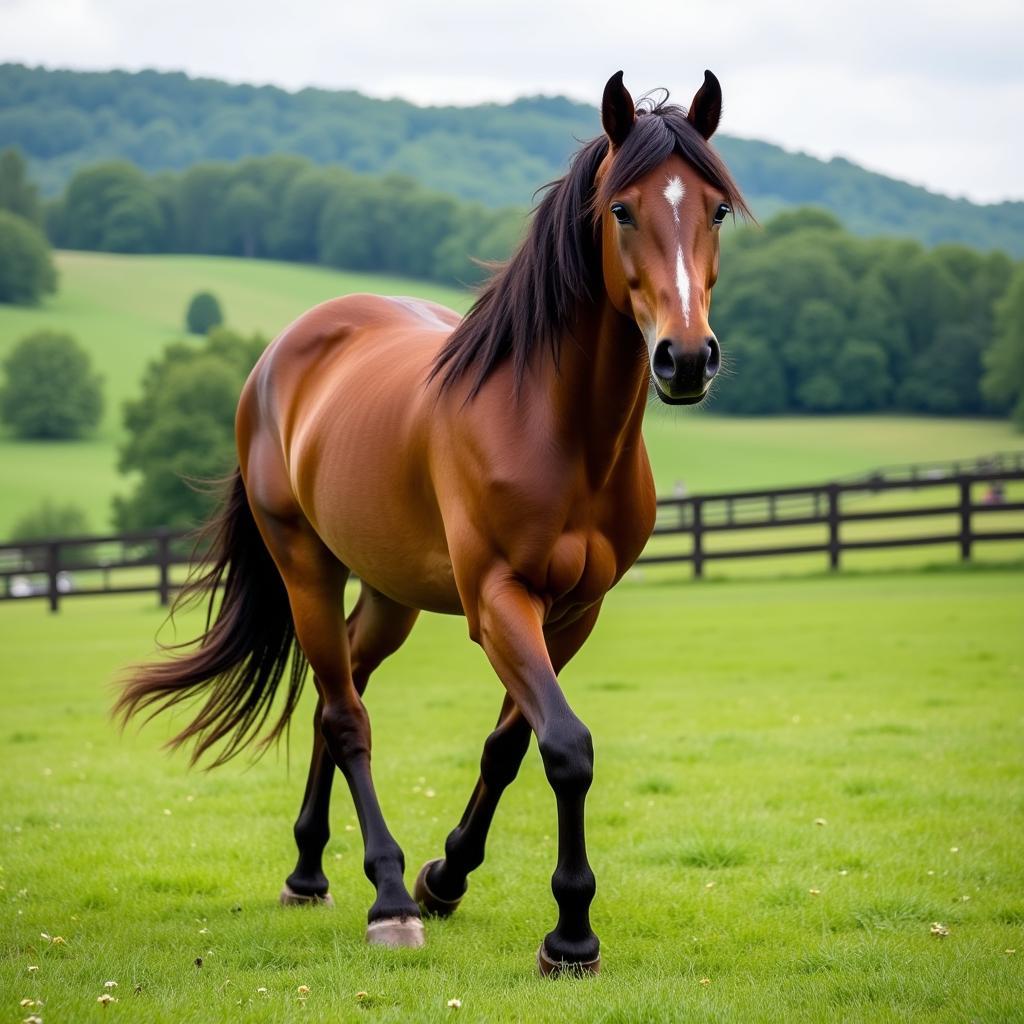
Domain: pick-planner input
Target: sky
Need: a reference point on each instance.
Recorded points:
(928, 92)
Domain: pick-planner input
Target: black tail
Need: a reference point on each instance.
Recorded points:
(244, 652)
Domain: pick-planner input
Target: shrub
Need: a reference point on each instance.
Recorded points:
(51, 519)
(26, 264)
(203, 313)
(50, 391)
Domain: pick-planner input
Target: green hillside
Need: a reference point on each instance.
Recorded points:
(492, 153)
(125, 308)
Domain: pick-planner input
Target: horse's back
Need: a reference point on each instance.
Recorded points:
(335, 418)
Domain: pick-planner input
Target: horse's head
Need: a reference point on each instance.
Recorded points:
(661, 195)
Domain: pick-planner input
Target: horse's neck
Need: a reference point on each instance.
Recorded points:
(600, 392)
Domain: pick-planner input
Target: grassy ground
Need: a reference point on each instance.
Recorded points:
(794, 781)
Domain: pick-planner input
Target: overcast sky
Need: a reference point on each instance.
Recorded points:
(924, 91)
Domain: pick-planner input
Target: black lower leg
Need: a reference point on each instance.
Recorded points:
(568, 755)
(347, 732)
(312, 829)
(504, 751)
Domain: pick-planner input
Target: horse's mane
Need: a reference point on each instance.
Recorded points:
(532, 300)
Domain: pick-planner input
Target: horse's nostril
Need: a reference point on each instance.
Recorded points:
(714, 359)
(663, 362)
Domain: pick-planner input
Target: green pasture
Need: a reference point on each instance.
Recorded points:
(126, 308)
(795, 780)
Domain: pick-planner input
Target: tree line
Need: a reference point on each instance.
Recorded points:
(282, 207)
(814, 319)
(496, 154)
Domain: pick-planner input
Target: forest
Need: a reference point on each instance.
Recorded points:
(494, 154)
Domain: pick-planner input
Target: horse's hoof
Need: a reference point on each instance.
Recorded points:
(291, 898)
(396, 932)
(429, 902)
(565, 968)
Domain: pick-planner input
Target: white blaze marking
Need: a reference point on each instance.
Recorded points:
(674, 192)
(683, 284)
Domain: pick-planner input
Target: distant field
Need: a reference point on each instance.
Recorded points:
(126, 308)
(793, 781)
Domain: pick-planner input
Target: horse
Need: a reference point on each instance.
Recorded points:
(491, 466)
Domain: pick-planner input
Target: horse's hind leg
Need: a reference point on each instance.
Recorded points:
(376, 628)
(442, 883)
(315, 582)
(308, 883)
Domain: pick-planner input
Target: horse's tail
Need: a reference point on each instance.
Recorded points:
(239, 661)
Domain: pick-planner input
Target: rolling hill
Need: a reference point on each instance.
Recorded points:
(492, 153)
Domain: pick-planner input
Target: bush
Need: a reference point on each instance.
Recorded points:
(50, 391)
(203, 313)
(26, 263)
(181, 430)
(51, 519)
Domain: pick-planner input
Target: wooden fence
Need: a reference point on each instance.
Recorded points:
(71, 566)
(827, 505)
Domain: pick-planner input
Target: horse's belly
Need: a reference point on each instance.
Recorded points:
(418, 578)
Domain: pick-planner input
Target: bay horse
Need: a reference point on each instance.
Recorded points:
(491, 466)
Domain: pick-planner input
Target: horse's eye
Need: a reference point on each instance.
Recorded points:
(723, 211)
(621, 214)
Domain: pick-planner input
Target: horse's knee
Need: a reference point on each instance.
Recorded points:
(568, 754)
(346, 730)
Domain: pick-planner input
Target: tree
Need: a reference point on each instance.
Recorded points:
(17, 194)
(181, 430)
(112, 207)
(203, 314)
(26, 263)
(1003, 382)
(862, 370)
(246, 212)
(755, 381)
(50, 391)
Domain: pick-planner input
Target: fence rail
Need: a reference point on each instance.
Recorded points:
(61, 567)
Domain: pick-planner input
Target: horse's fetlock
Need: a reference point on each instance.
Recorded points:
(574, 885)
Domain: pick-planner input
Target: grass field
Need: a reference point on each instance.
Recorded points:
(794, 780)
(124, 309)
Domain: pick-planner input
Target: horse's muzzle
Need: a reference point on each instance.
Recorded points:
(682, 374)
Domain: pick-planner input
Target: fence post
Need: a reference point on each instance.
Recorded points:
(833, 526)
(698, 538)
(52, 569)
(164, 559)
(965, 519)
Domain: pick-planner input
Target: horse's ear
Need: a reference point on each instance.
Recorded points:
(617, 110)
(706, 108)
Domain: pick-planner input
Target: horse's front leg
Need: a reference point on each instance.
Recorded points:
(442, 883)
(509, 627)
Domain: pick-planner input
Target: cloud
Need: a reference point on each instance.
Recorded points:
(916, 90)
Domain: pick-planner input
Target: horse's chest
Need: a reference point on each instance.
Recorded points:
(583, 567)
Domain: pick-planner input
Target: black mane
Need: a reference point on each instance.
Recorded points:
(532, 300)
